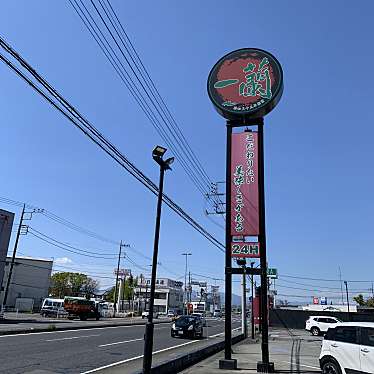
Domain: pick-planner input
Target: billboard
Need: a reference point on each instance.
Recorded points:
(6, 224)
(246, 83)
(244, 185)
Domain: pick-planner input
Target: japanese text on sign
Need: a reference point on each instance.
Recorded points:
(244, 186)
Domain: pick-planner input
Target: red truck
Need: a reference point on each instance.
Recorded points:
(79, 307)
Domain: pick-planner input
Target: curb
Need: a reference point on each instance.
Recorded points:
(183, 362)
(65, 328)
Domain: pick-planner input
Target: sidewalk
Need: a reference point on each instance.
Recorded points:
(31, 323)
(290, 354)
(247, 353)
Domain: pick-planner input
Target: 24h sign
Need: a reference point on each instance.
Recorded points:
(245, 250)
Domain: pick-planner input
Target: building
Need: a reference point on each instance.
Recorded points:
(6, 224)
(29, 284)
(168, 295)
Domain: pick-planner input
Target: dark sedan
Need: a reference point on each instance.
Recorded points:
(187, 326)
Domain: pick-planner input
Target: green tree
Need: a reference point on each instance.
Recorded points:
(72, 284)
(109, 296)
(360, 300)
(130, 284)
(369, 302)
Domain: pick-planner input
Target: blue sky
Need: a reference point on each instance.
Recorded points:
(318, 140)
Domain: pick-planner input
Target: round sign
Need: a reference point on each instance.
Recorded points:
(246, 83)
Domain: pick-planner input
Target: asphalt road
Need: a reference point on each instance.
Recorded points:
(81, 351)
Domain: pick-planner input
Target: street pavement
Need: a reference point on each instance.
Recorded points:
(86, 350)
(22, 322)
(294, 351)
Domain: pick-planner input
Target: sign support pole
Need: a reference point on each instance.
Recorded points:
(263, 366)
(228, 363)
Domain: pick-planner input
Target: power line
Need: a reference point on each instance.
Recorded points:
(324, 280)
(147, 95)
(90, 131)
(67, 249)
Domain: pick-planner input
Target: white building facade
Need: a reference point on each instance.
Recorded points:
(168, 295)
(29, 284)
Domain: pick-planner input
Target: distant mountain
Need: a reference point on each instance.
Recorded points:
(236, 300)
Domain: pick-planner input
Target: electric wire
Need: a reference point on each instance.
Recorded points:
(92, 26)
(98, 138)
(146, 83)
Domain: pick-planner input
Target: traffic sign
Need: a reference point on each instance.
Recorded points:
(272, 273)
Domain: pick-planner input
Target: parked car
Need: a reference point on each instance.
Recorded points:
(145, 315)
(348, 348)
(318, 325)
(217, 314)
(188, 326)
(201, 316)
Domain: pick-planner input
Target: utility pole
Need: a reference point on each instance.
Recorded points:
(186, 254)
(341, 285)
(189, 287)
(117, 274)
(346, 290)
(13, 257)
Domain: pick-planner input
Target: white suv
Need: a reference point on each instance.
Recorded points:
(348, 348)
(320, 324)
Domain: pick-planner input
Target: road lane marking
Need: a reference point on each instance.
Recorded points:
(221, 333)
(70, 338)
(64, 331)
(123, 342)
(306, 366)
(137, 357)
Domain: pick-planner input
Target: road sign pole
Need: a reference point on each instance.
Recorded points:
(263, 366)
(228, 363)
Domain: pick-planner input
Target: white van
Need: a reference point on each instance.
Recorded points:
(52, 307)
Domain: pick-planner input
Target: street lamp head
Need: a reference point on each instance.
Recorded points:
(158, 151)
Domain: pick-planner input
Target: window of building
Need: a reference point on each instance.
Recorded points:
(161, 281)
(160, 295)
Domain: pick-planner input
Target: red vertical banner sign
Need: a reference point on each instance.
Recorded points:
(244, 185)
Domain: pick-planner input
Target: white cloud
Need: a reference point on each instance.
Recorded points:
(63, 261)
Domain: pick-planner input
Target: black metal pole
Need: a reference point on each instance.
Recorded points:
(116, 289)
(244, 306)
(228, 262)
(149, 327)
(346, 291)
(263, 366)
(13, 257)
(252, 316)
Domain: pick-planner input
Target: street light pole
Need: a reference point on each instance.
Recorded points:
(157, 154)
(185, 282)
